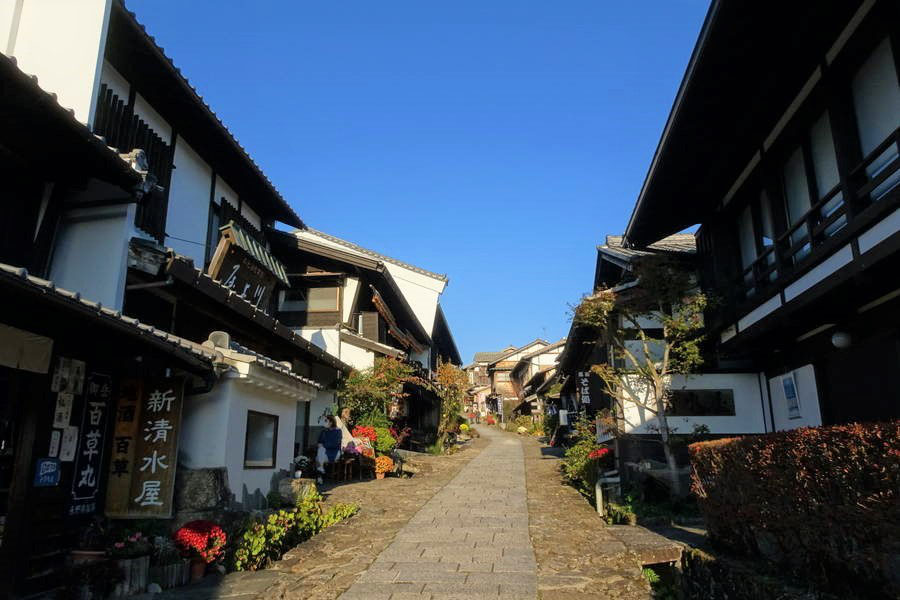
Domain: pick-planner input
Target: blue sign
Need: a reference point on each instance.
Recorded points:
(46, 472)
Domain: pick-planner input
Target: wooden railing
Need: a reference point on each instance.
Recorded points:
(116, 122)
(799, 243)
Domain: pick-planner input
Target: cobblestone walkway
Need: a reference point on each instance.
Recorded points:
(469, 541)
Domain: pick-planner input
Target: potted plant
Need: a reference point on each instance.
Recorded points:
(201, 541)
(91, 544)
(168, 568)
(131, 553)
(383, 464)
(91, 579)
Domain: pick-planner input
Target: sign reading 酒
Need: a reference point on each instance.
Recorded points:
(145, 449)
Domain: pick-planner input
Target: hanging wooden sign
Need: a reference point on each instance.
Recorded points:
(145, 449)
(242, 265)
(91, 442)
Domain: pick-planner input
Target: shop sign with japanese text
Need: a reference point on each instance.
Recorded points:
(145, 449)
(92, 440)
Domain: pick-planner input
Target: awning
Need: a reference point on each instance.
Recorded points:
(256, 250)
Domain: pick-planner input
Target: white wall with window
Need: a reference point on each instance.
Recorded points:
(795, 399)
(726, 403)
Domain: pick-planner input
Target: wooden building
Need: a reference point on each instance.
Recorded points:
(782, 145)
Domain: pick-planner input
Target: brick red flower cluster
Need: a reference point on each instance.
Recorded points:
(598, 453)
(201, 538)
(362, 431)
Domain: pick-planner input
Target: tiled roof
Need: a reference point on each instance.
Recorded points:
(552, 346)
(19, 275)
(511, 351)
(257, 251)
(374, 254)
(274, 365)
(487, 356)
(216, 120)
(680, 243)
(118, 163)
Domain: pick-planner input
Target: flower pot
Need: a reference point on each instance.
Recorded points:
(170, 576)
(198, 569)
(379, 475)
(135, 575)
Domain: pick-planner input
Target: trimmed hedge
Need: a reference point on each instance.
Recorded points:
(823, 501)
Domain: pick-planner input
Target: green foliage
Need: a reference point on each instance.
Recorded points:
(551, 422)
(620, 514)
(578, 468)
(371, 391)
(264, 539)
(384, 441)
(373, 419)
(662, 590)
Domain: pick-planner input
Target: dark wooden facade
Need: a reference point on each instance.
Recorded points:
(798, 202)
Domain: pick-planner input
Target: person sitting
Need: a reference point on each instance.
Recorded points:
(329, 445)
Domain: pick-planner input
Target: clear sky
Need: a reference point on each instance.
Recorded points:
(496, 141)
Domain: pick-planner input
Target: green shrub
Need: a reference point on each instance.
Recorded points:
(579, 469)
(384, 441)
(264, 539)
(620, 514)
(374, 419)
(824, 501)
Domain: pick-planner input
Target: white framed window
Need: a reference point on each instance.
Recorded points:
(261, 443)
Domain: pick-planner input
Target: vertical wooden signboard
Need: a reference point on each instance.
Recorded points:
(142, 472)
(92, 441)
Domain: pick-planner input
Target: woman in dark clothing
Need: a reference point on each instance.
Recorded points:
(330, 441)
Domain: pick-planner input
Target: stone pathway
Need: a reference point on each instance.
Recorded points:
(469, 541)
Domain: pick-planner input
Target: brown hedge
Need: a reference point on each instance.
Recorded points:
(823, 501)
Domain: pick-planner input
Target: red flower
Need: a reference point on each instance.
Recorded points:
(598, 453)
(361, 431)
(203, 538)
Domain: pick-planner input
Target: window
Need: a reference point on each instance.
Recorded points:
(502, 376)
(792, 399)
(701, 403)
(212, 231)
(261, 441)
(876, 100)
(322, 299)
(312, 300)
(756, 238)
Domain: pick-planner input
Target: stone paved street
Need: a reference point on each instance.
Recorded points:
(469, 541)
(492, 521)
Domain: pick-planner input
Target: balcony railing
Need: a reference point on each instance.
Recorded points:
(116, 122)
(825, 220)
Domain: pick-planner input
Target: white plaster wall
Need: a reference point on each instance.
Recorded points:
(115, 81)
(223, 190)
(203, 413)
(880, 232)
(328, 340)
(421, 292)
(7, 13)
(153, 119)
(244, 397)
(356, 357)
(91, 253)
(188, 215)
(351, 288)
(821, 271)
(251, 215)
(807, 392)
(63, 43)
(749, 416)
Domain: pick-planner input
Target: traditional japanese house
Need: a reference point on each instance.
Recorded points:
(716, 400)
(499, 369)
(359, 305)
(67, 361)
(782, 145)
(531, 372)
(139, 199)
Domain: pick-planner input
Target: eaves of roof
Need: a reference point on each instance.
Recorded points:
(374, 254)
(182, 269)
(24, 92)
(211, 120)
(274, 365)
(191, 353)
(519, 349)
(364, 342)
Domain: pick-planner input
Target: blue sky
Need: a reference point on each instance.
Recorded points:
(494, 141)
